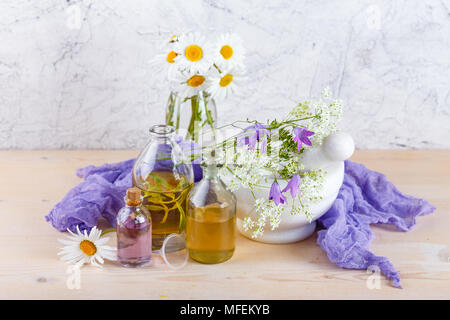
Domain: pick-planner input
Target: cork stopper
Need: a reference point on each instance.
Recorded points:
(134, 195)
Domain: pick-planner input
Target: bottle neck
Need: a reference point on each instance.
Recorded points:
(162, 132)
(163, 139)
(132, 203)
(211, 172)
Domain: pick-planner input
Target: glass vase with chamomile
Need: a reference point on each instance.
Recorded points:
(193, 117)
(165, 177)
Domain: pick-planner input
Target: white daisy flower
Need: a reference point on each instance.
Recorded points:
(222, 84)
(189, 84)
(164, 61)
(83, 248)
(229, 51)
(194, 53)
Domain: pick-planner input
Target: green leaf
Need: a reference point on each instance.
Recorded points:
(182, 224)
(157, 182)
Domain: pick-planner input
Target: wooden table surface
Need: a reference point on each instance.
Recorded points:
(32, 182)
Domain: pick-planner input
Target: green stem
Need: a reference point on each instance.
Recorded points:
(285, 123)
(107, 231)
(237, 121)
(217, 68)
(177, 126)
(256, 185)
(222, 144)
(209, 118)
(191, 127)
(171, 109)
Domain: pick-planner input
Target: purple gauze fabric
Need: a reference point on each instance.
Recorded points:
(102, 193)
(366, 197)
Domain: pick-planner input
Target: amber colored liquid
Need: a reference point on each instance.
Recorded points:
(167, 206)
(210, 235)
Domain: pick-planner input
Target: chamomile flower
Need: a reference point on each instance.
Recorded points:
(189, 84)
(229, 51)
(220, 85)
(83, 248)
(164, 61)
(193, 53)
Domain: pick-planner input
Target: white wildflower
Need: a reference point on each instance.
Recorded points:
(248, 223)
(257, 232)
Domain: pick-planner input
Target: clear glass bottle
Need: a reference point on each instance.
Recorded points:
(211, 219)
(134, 231)
(165, 177)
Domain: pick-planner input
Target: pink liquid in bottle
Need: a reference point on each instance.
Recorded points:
(134, 233)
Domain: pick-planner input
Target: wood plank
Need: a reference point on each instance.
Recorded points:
(31, 182)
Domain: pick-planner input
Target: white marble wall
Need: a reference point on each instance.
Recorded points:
(87, 84)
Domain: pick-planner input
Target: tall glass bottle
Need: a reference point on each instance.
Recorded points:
(211, 219)
(134, 232)
(165, 178)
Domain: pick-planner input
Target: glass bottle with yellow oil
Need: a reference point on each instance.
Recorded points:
(165, 177)
(211, 218)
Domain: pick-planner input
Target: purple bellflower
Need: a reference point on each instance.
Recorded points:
(276, 195)
(259, 134)
(260, 131)
(301, 136)
(263, 146)
(293, 185)
(243, 140)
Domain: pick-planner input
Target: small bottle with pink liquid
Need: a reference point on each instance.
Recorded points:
(134, 231)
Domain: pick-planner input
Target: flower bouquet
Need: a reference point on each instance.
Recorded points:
(271, 167)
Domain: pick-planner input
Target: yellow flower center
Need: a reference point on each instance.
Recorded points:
(196, 81)
(226, 52)
(88, 247)
(171, 56)
(226, 80)
(193, 53)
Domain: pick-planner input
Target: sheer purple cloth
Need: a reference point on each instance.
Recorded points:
(366, 197)
(99, 195)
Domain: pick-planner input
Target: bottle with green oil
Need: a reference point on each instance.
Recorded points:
(211, 218)
(165, 177)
